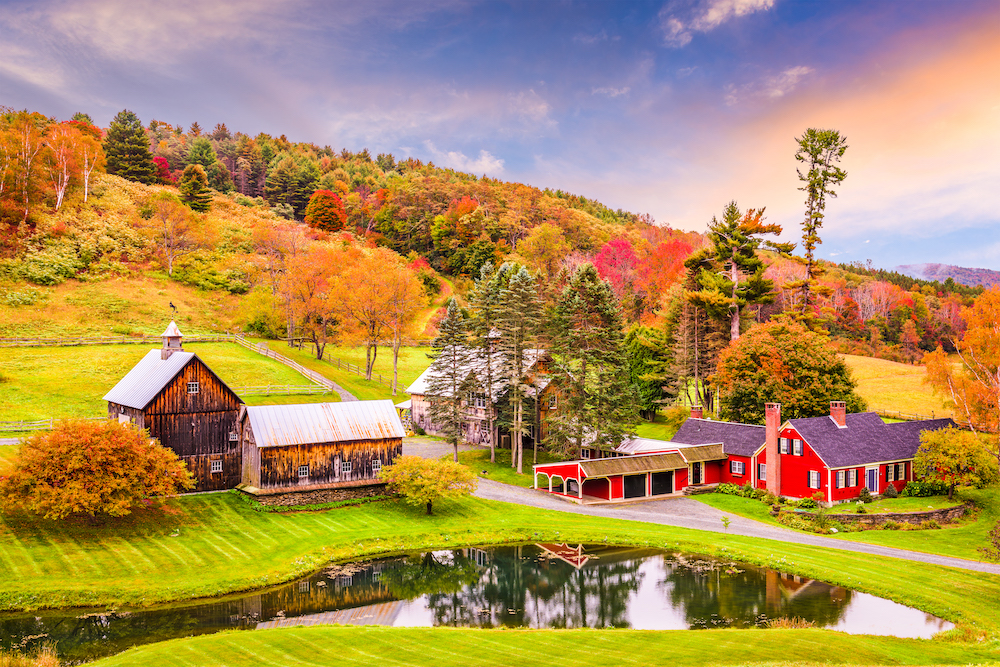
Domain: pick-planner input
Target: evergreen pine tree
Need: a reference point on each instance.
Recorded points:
(450, 375)
(591, 368)
(194, 188)
(202, 153)
(485, 302)
(651, 367)
(126, 149)
(518, 323)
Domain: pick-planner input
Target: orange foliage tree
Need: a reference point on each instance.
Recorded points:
(325, 211)
(973, 386)
(91, 468)
(310, 285)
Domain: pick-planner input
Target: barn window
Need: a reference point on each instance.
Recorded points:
(217, 466)
(376, 465)
(303, 471)
(345, 467)
(233, 437)
(553, 402)
(192, 387)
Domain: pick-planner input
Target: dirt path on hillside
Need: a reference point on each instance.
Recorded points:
(688, 513)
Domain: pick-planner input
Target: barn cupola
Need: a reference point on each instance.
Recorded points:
(171, 341)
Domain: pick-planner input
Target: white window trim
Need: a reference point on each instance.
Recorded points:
(345, 467)
(303, 469)
(193, 387)
(233, 436)
(762, 472)
(890, 473)
(841, 479)
(216, 466)
(816, 473)
(737, 467)
(376, 465)
(783, 447)
(852, 478)
(553, 402)
(796, 447)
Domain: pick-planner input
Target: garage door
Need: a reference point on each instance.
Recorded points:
(635, 486)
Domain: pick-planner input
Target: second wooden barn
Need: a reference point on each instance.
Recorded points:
(319, 452)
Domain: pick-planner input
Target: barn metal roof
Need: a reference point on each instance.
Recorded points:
(147, 378)
(629, 465)
(646, 446)
(284, 425)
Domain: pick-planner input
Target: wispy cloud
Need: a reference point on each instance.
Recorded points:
(611, 92)
(680, 19)
(486, 163)
(770, 87)
(596, 38)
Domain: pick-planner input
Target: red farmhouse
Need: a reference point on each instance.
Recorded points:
(835, 455)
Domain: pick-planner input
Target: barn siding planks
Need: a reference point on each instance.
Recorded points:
(278, 466)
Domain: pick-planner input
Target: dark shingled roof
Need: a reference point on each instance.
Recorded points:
(866, 439)
(737, 439)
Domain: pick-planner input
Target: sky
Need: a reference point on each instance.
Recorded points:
(671, 108)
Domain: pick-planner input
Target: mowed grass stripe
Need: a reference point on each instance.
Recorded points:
(444, 647)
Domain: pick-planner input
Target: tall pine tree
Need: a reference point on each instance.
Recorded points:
(194, 188)
(485, 302)
(518, 323)
(591, 367)
(820, 150)
(126, 149)
(450, 376)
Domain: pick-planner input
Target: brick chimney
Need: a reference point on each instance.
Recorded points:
(696, 412)
(838, 412)
(171, 341)
(772, 422)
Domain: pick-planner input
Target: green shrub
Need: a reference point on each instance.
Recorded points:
(924, 489)
(27, 296)
(746, 490)
(865, 496)
(807, 504)
(890, 525)
(861, 508)
(890, 491)
(729, 489)
(770, 498)
(931, 524)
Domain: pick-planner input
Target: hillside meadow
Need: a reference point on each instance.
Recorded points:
(894, 387)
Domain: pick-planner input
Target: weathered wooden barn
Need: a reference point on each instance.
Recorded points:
(187, 407)
(334, 449)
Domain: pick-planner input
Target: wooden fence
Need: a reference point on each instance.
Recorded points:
(286, 389)
(36, 425)
(262, 348)
(344, 365)
(106, 340)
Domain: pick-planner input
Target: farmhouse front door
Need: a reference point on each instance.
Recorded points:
(872, 474)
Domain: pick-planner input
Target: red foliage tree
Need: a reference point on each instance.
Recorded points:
(325, 211)
(163, 171)
(616, 262)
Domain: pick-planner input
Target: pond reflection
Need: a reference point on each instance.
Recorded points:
(537, 586)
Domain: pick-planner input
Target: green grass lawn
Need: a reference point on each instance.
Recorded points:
(500, 471)
(60, 382)
(658, 429)
(887, 385)
(412, 361)
(444, 647)
(901, 505)
(212, 544)
(960, 540)
(365, 390)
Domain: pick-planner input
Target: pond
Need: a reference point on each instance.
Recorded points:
(537, 586)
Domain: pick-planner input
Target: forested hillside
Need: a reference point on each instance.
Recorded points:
(297, 237)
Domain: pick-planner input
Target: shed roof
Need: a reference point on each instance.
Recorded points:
(172, 331)
(866, 438)
(303, 424)
(629, 465)
(737, 439)
(148, 378)
(645, 445)
(702, 453)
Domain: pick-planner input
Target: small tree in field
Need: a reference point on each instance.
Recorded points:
(325, 211)
(92, 468)
(422, 481)
(955, 458)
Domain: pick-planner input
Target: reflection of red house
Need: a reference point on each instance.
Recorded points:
(835, 455)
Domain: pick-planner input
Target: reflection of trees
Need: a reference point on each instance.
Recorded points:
(713, 594)
(437, 572)
(517, 588)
